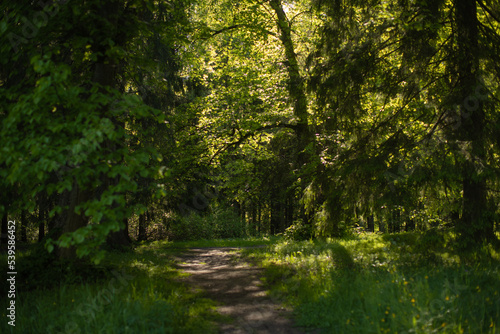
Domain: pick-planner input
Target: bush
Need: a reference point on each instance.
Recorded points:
(430, 242)
(220, 224)
(298, 231)
(227, 224)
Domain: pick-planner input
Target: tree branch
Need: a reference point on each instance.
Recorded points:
(298, 14)
(248, 135)
(234, 26)
(237, 26)
(486, 9)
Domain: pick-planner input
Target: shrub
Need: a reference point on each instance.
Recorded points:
(227, 224)
(220, 224)
(298, 231)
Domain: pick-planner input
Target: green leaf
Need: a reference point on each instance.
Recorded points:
(49, 246)
(79, 237)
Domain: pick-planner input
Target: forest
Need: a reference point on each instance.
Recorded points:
(348, 149)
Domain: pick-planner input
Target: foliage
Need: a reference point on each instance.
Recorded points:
(77, 128)
(393, 97)
(304, 117)
(220, 119)
(236, 242)
(298, 231)
(220, 224)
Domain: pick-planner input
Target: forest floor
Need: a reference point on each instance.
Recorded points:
(223, 276)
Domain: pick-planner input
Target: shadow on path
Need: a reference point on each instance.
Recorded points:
(237, 288)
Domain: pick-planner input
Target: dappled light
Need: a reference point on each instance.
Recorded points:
(276, 166)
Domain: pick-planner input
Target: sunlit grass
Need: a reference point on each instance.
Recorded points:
(381, 284)
(401, 283)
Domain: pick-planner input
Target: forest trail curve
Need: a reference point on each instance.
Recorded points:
(237, 288)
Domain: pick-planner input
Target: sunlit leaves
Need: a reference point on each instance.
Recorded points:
(385, 74)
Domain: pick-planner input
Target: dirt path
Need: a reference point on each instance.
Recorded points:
(237, 288)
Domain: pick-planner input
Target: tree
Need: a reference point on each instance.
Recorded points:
(476, 224)
(391, 78)
(69, 114)
(256, 94)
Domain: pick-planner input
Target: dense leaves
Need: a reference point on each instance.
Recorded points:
(307, 116)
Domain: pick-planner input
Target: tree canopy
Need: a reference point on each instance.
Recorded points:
(310, 117)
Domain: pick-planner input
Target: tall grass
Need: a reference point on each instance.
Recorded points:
(138, 293)
(403, 283)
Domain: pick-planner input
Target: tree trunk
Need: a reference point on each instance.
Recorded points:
(390, 221)
(41, 221)
(381, 226)
(22, 227)
(74, 221)
(259, 218)
(253, 227)
(282, 216)
(243, 213)
(475, 226)
(410, 224)
(296, 87)
(396, 223)
(237, 207)
(275, 217)
(371, 223)
(105, 74)
(121, 238)
(298, 97)
(142, 228)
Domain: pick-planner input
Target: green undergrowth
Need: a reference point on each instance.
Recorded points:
(129, 292)
(400, 283)
(230, 242)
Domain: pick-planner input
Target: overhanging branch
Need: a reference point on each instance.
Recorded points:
(237, 26)
(248, 135)
(486, 9)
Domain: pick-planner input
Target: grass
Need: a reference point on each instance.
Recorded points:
(234, 242)
(130, 292)
(401, 283)
(381, 284)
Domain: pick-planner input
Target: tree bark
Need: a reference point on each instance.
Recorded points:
(475, 226)
(396, 217)
(243, 212)
(371, 223)
(73, 220)
(105, 74)
(259, 218)
(121, 238)
(253, 226)
(22, 226)
(41, 219)
(142, 228)
(297, 92)
(296, 87)
(275, 217)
